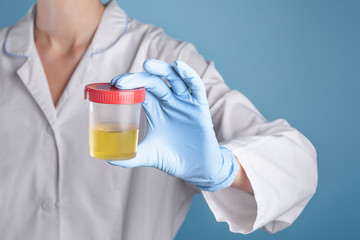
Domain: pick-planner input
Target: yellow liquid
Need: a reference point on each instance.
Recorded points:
(113, 145)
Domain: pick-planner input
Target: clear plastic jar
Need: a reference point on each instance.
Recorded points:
(114, 116)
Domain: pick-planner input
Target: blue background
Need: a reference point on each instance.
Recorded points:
(298, 60)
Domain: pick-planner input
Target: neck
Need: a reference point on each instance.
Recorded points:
(66, 24)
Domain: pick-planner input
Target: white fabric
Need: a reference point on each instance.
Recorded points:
(51, 189)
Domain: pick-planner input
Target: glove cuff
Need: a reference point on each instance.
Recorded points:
(227, 173)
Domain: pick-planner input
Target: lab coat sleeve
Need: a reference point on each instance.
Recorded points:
(278, 160)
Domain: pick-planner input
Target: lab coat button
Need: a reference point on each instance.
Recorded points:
(49, 130)
(47, 205)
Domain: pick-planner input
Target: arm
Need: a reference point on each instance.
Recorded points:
(280, 163)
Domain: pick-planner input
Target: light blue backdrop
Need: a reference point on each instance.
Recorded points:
(298, 60)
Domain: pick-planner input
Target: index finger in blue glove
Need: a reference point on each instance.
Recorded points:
(116, 78)
(191, 79)
(165, 70)
(152, 83)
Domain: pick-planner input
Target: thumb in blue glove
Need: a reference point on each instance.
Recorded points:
(180, 139)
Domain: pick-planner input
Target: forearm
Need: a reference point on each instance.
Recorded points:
(241, 181)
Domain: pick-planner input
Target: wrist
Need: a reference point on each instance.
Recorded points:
(241, 180)
(227, 174)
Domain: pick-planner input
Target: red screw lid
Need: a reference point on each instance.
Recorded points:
(105, 93)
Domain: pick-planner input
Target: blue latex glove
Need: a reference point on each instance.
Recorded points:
(180, 139)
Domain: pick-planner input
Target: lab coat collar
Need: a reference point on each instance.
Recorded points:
(113, 25)
(20, 37)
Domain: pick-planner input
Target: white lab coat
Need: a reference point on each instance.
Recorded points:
(51, 189)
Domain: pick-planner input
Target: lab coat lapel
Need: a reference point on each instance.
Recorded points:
(33, 77)
(19, 44)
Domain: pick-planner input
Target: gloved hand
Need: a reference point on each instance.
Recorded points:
(180, 139)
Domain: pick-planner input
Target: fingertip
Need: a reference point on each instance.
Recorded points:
(152, 65)
(120, 163)
(176, 62)
(180, 64)
(117, 79)
(150, 61)
(112, 163)
(184, 70)
(146, 63)
(151, 82)
(179, 67)
(114, 80)
(126, 81)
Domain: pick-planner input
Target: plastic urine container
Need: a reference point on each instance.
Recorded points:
(114, 116)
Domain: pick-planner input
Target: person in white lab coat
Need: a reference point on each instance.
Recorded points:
(49, 186)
